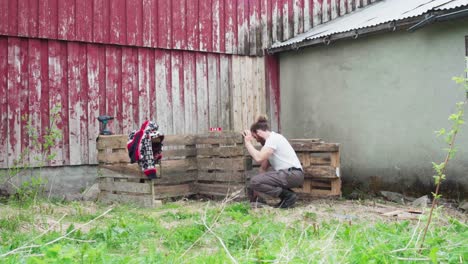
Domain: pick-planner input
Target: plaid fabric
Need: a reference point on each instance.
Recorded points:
(141, 148)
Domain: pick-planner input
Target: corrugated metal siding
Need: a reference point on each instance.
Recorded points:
(224, 26)
(185, 92)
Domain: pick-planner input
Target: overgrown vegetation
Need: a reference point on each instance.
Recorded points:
(195, 232)
(27, 191)
(457, 120)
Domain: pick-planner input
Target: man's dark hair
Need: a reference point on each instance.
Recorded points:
(260, 124)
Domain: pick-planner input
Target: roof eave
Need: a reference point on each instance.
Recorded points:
(325, 41)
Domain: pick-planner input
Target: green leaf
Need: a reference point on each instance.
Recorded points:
(433, 254)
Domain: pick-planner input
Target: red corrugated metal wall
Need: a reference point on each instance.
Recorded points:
(171, 61)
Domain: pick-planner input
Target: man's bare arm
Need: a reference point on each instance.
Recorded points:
(264, 166)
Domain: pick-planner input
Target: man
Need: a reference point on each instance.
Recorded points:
(276, 151)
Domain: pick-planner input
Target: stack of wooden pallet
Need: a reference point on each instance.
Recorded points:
(222, 164)
(321, 164)
(211, 164)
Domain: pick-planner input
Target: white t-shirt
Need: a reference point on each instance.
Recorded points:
(284, 156)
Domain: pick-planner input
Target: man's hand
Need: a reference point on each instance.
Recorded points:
(247, 136)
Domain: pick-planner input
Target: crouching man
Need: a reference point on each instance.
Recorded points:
(287, 170)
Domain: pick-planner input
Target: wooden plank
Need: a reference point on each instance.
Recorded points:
(101, 21)
(142, 103)
(172, 153)
(164, 90)
(305, 140)
(308, 16)
(122, 170)
(230, 24)
(181, 165)
(118, 22)
(12, 17)
(96, 77)
(84, 20)
(190, 92)
(23, 18)
(304, 157)
(336, 187)
(176, 178)
(245, 92)
(127, 187)
(205, 25)
(150, 23)
(192, 25)
(265, 24)
(4, 17)
(222, 26)
(320, 172)
(254, 30)
(37, 60)
(78, 103)
(316, 147)
(112, 142)
(221, 151)
(113, 156)
(298, 14)
(224, 164)
(320, 184)
(166, 191)
(242, 27)
(335, 159)
(16, 87)
(213, 97)
(317, 12)
(202, 93)
(225, 92)
(170, 140)
(179, 38)
(236, 108)
(140, 200)
(221, 190)
(48, 19)
(4, 140)
(320, 160)
(216, 23)
(66, 19)
(218, 176)
(113, 86)
(134, 13)
(178, 104)
(343, 7)
(164, 24)
(150, 70)
(262, 85)
(130, 74)
(226, 138)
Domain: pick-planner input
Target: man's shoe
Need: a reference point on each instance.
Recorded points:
(288, 199)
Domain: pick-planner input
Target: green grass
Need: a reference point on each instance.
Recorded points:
(190, 232)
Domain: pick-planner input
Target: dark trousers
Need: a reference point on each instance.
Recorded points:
(273, 182)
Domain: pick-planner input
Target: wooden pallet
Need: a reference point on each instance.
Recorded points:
(222, 164)
(120, 181)
(321, 164)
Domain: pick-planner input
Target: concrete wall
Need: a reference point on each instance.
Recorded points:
(382, 98)
(67, 182)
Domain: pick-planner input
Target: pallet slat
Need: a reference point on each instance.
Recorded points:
(315, 147)
(224, 164)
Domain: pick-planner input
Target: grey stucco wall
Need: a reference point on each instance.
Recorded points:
(382, 97)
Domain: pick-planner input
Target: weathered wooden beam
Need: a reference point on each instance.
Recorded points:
(315, 147)
(320, 172)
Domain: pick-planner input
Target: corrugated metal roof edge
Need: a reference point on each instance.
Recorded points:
(353, 34)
